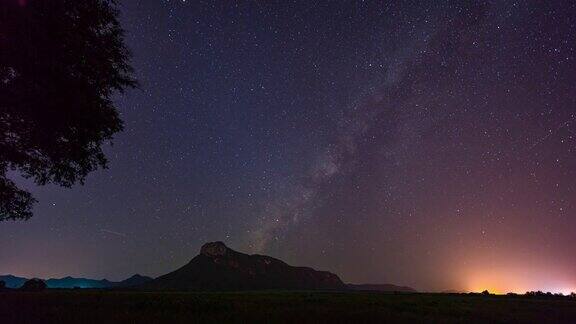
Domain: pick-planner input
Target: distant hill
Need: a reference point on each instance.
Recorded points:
(135, 280)
(218, 267)
(13, 281)
(381, 287)
(70, 282)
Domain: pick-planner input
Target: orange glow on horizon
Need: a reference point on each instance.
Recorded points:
(510, 280)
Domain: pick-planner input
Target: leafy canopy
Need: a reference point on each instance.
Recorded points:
(60, 63)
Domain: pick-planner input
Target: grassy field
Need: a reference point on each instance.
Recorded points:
(277, 307)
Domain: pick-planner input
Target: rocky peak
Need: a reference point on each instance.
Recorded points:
(213, 249)
(218, 267)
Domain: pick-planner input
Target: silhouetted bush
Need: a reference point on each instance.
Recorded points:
(34, 285)
(2, 285)
(548, 294)
(486, 293)
(535, 293)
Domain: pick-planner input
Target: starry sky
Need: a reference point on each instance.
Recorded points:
(427, 144)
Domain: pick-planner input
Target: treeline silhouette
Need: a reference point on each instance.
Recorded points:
(40, 285)
(538, 293)
(548, 294)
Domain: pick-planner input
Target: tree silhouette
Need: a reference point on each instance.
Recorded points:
(34, 285)
(60, 63)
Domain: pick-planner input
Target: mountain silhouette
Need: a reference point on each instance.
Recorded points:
(135, 280)
(218, 267)
(71, 282)
(13, 281)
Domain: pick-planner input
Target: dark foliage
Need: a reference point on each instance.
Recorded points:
(2, 285)
(541, 294)
(60, 62)
(34, 285)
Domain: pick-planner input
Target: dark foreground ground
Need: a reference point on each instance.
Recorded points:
(277, 307)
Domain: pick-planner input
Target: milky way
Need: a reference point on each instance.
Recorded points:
(429, 145)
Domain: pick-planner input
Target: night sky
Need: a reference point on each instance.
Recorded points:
(430, 145)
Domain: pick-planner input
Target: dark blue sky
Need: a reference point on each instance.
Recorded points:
(430, 145)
